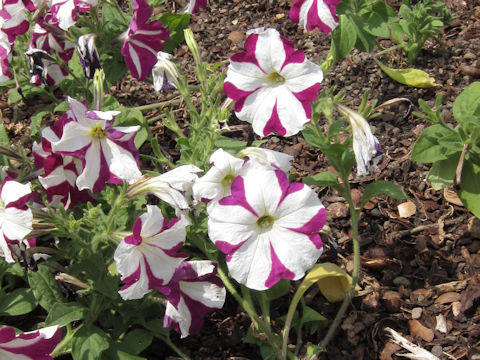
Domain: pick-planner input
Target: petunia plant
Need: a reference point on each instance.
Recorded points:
(124, 244)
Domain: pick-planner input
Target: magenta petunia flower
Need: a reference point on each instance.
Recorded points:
(60, 172)
(272, 84)
(195, 6)
(13, 18)
(143, 41)
(311, 14)
(16, 219)
(33, 345)
(5, 57)
(65, 11)
(108, 153)
(193, 292)
(148, 258)
(268, 228)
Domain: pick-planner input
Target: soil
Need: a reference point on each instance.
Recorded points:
(420, 271)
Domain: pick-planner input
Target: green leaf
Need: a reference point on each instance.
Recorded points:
(36, 120)
(14, 97)
(18, 302)
(278, 290)
(467, 103)
(381, 187)
(88, 343)
(45, 287)
(324, 178)
(343, 39)
(107, 286)
(176, 23)
(156, 326)
(116, 354)
(64, 313)
(313, 320)
(234, 146)
(365, 41)
(411, 77)
(375, 25)
(4, 139)
(442, 172)
(137, 340)
(436, 143)
(469, 191)
(62, 107)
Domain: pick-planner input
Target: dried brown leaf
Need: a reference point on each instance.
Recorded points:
(417, 329)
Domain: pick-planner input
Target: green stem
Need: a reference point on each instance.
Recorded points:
(170, 343)
(386, 51)
(157, 105)
(62, 345)
(354, 214)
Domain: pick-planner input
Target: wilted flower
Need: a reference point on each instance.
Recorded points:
(366, 146)
(88, 55)
(16, 219)
(108, 153)
(311, 14)
(272, 84)
(268, 228)
(148, 258)
(143, 41)
(44, 68)
(194, 6)
(33, 345)
(173, 187)
(164, 72)
(193, 292)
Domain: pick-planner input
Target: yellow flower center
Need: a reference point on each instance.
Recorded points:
(276, 78)
(265, 221)
(228, 179)
(97, 132)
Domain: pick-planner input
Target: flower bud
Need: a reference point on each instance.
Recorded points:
(87, 52)
(164, 72)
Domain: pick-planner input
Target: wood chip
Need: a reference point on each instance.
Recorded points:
(417, 329)
(448, 298)
(451, 196)
(406, 209)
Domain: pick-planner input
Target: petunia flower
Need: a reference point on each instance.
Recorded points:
(366, 146)
(267, 157)
(108, 153)
(65, 11)
(13, 18)
(33, 345)
(268, 228)
(272, 84)
(311, 14)
(173, 187)
(88, 55)
(44, 68)
(16, 219)
(215, 184)
(193, 292)
(194, 6)
(5, 58)
(148, 258)
(143, 41)
(60, 172)
(164, 72)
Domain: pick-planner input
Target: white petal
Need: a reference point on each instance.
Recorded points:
(182, 316)
(121, 162)
(74, 137)
(269, 51)
(91, 172)
(12, 191)
(17, 223)
(205, 292)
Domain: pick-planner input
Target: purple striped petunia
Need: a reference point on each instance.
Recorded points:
(148, 258)
(108, 153)
(33, 345)
(195, 6)
(272, 84)
(269, 228)
(13, 18)
(143, 41)
(194, 291)
(311, 14)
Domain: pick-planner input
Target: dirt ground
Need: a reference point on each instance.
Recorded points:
(420, 274)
